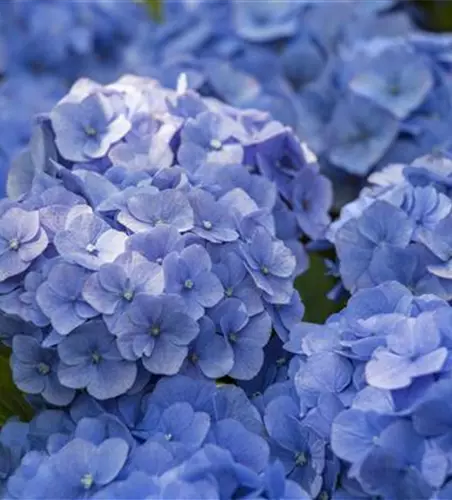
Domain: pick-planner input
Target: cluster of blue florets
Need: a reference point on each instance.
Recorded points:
(399, 229)
(374, 382)
(151, 232)
(185, 439)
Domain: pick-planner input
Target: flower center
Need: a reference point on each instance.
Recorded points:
(229, 291)
(90, 248)
(232, 337)
(155, 331)
(188, 284)
(90, 131)
(216, 144)
(280, 361)
(300, 458)
(96, 357)
(43, 368)
(168, 437)
(194, 358)
(264, 270)
(14, 244)
(159, 260)
(128, 295)
(207, 224)
(394, 89)
(87, 481)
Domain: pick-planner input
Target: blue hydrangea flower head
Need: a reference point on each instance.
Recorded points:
(136, 265)
(363, 382)
(398, 229)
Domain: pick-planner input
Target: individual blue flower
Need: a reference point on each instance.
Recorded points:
(426, 207)
(159, 334)
(209, 138)
(90, 359)
(210, 355)
(156, 243)
(22, 240)
(60, 297)
(359, 134)
(212, 219)
(359, 241)
(181, 435)
(237, 283)
(35, 371)
(189, 275)
(246, 336)
(270, 264)
(355, 434)
(78, 469)
(145, 211)
(409, 354)
(89, 241)
(112, 290)
(301, 450)
(85, 130)
(397, 79)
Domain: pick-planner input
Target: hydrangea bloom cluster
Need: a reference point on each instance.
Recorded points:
(45, 45)
(301, 41)
(152, 232)
(385, 100)
(399, 229)
(186, 439)
(372, 387)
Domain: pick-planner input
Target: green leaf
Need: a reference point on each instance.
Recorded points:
(313, 287)
(12, 402)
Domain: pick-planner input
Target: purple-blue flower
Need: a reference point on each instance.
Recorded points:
(112, 290)
(210, 138)
(85, 130)
(246, 336)
(22, 240)
(88, 240)
(35, 371)
(270, 264)
(212, 219)
(60, 297)
(189, 275)
(159, 334)
(90, 360)
(147, 210)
